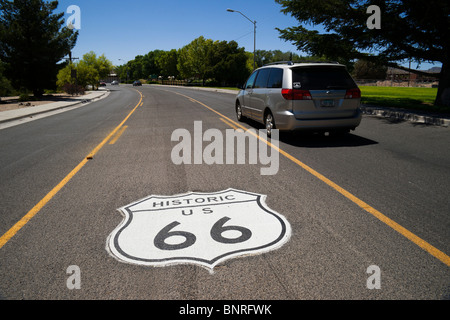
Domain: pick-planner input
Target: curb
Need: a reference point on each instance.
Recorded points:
(406, 115)
(47, 109)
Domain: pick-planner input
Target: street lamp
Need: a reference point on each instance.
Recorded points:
(254, 35)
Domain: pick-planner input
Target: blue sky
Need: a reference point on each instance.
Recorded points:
(124, 29)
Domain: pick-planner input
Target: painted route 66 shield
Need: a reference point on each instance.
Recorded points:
(197, 228)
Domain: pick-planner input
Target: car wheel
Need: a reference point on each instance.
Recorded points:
(239, 115)
(270, 123)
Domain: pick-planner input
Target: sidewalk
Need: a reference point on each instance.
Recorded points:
(17, 114)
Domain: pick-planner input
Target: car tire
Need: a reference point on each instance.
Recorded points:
(269, 122)
(239, 115)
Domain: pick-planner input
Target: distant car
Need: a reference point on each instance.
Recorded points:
(102, 84)
(115, 83)
(137, 83)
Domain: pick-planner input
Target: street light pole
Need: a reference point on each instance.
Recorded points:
(254, 35)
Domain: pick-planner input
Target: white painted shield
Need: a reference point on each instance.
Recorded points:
(197, 228)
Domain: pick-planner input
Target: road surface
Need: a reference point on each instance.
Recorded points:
(364, 210)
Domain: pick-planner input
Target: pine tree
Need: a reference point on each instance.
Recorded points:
(33, 41)
(414, 30)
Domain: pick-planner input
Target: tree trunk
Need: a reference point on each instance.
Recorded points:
(443, 94)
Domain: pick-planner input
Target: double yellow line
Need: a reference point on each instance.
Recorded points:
(377, 214)
(22, 222)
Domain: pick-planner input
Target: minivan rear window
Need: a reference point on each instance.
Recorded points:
(322, 78)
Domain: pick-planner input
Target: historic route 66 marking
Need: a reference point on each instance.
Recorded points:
(198, 228)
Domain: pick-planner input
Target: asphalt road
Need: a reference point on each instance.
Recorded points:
(378, 196)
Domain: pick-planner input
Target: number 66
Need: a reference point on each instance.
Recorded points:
(216, 233)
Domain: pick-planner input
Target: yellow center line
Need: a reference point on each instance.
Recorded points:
(25, 219)
(118, 134)
(97, 148)
(366, 207)
(228, 123)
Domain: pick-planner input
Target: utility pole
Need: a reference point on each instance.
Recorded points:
(73, 72)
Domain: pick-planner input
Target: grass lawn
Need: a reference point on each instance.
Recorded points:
(420, 99)
(402, 97)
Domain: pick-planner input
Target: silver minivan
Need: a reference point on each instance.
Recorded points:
(289, 96)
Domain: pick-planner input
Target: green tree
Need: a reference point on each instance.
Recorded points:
(32, 42)
(193, 59)
(65, 76)
(409, 29)
(135, 68)
(369, 70)
(141, 67)
(228, 63)
(150, 63)
(101, 64)
(5, 85)
(122, 72)
(89, 71)
(264, 57)
(167, 63)
(87, 74)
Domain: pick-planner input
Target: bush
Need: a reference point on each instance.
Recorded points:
(73, 89)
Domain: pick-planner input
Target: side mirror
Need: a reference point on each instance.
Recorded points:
(240, 86)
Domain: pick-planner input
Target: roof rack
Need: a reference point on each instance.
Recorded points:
(291, 63)
(280, 62)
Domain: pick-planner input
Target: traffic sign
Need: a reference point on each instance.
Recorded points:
(197, 228)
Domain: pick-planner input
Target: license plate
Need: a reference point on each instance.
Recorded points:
(327, 103)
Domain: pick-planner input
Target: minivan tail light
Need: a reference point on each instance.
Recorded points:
(353, 94)
(296, 94)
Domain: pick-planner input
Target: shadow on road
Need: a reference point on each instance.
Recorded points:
(310, 140)
(318, 140)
